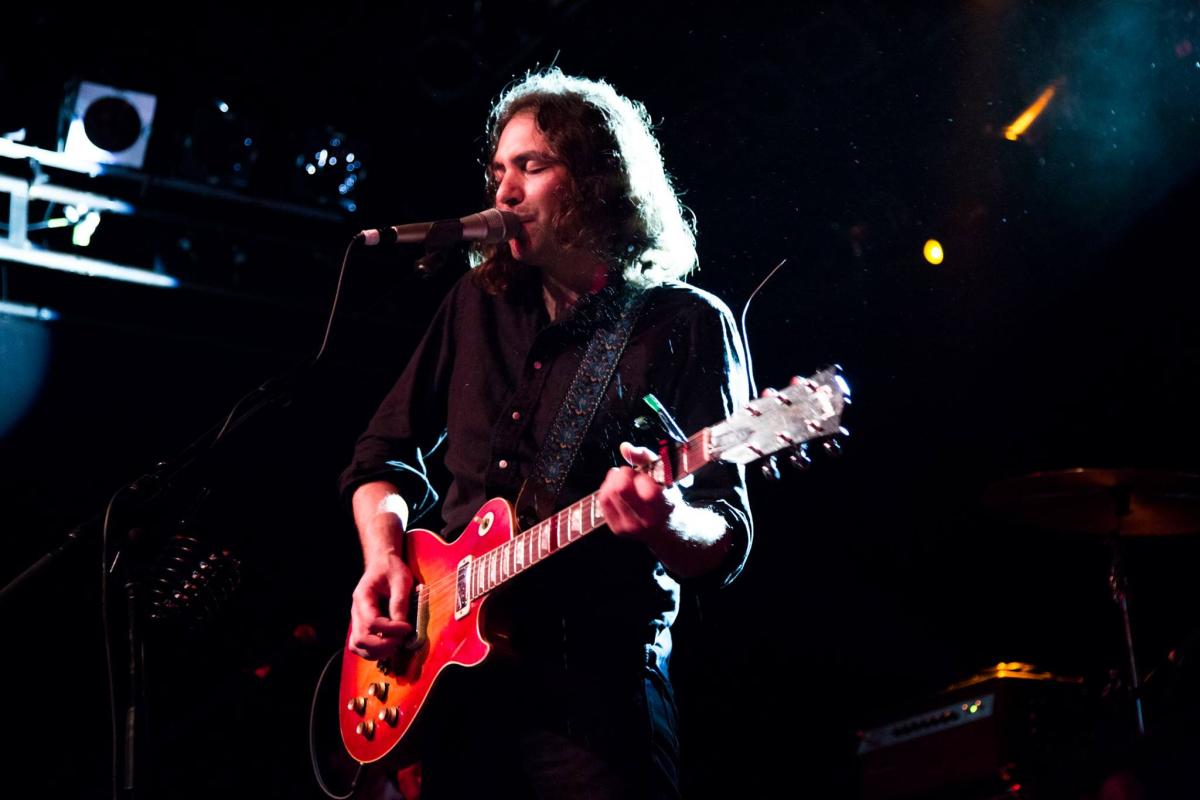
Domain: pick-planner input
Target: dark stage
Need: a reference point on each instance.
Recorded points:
(1059, 331)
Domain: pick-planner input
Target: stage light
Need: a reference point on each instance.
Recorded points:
(106, 125)
(330, 171)
(1027, 117)
(933, 252)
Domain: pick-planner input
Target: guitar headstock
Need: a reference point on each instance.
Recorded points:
(809, 408)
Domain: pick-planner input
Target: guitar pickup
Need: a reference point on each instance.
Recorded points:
(420, 634)
(462, 588)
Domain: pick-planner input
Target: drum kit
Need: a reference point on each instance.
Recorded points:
(1115, 505)
(977, 725)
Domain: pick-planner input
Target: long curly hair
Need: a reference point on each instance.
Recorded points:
(619, 204)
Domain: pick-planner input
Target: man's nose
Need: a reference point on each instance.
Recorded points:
(509, 192)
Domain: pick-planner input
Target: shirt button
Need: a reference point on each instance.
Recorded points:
(516, 415)
(537, 365)
(502, 464)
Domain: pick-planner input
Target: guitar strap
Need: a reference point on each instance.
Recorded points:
(575, 415)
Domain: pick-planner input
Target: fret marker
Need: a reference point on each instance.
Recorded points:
(576, 522)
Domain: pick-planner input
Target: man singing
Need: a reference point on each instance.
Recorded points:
(581, 704)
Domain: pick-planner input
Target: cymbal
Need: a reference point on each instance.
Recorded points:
(1128, 502)
(1012, 670)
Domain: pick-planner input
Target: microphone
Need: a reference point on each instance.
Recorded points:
(490, 227)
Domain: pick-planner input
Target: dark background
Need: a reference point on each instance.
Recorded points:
(1060, 331)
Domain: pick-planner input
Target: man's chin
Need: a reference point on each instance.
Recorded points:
(521, 251)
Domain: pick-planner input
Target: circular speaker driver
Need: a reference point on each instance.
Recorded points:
(112, 124)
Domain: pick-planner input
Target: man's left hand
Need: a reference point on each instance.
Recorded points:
(634, 504)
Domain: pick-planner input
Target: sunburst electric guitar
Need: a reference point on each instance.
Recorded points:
(382, 699)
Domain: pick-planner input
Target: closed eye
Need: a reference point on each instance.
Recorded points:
(538, 162)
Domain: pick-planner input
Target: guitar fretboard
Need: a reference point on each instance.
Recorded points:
(567, 526)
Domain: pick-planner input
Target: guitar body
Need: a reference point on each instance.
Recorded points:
(374, 720)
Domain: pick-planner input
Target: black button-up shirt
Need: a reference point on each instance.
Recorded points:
(490, 375)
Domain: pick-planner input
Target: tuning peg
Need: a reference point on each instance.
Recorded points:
(833, 447)
(799, 457)
(808, 383)
(839, 375)
(770, 469)
(775, 393)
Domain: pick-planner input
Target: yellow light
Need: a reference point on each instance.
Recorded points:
(1022, 123)
(81, 235)
(933, 252)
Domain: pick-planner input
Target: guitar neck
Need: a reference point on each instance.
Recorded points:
(809, 408)
(567, 526)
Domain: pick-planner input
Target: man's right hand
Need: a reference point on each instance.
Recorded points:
(379, 606)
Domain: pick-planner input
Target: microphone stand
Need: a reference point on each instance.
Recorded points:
(139, 497)
(145, 492)
(72, 540)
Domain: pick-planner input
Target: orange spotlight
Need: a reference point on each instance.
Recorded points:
(1022, 123)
